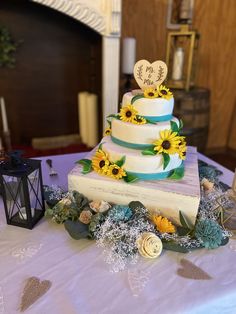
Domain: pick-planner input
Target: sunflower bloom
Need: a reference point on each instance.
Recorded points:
(164, 92)
(168, 142)
(163, 224)
(182, 151)
(100, 162)
(116, 172)
(107, 132)
(150, 93)
(139, 120)
(128, 113)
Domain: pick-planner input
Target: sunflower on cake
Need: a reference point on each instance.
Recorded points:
(143, 141)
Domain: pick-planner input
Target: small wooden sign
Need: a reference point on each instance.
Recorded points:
(150, 75)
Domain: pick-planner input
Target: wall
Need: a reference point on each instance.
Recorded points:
(215, 21)
(58, 58)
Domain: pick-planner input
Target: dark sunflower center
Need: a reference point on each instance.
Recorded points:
(108, 131)
(115, 171)
(138, 119)
(102, 163)
(164, 92)
(184, 153)
(166, 144)
(151, 94)
(128, 114)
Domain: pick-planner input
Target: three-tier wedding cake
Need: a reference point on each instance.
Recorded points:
(142, 146)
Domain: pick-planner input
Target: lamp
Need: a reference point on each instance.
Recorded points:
(22, 190)
(128, 60)
(180, 56)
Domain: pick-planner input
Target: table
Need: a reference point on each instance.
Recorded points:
(82, 283)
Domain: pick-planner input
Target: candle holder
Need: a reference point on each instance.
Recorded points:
(22, 190)
(181, 57)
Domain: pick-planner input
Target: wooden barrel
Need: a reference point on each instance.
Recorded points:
(193, 107)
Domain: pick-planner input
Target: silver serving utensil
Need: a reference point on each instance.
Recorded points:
(52, 172)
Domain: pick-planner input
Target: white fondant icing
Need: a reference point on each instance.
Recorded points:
(150, 107)
(139, 134)
(135, 161)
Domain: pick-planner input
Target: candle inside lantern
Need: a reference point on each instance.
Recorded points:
(4, 115)
(129, 55)
(178, 64)
(23, 214)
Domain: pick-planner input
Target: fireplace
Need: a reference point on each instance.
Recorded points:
(97, 20)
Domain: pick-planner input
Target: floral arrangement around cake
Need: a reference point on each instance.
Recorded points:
(127, 232)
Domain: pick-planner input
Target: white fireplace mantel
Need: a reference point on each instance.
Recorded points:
(104, 17)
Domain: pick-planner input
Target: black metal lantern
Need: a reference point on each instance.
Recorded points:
(22, 190)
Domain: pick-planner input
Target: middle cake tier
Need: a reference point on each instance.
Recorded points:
(138, 136)
(143, 166)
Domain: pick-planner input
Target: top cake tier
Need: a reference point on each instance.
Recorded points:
(153, 109)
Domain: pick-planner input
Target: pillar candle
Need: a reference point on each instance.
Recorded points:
(92, 120)
(83, 116)
(4, 115)
(129, 55)
(178, 63)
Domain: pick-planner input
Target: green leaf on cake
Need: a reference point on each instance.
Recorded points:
(166, 159)
(174, 126)
(149, 151)
(130, 178)
(136, 97)
(184, 222)
(120, 162)
(87, 165)
(177, 174)
(109, 123)
(181, 124)
(116, 116)
(149, 121)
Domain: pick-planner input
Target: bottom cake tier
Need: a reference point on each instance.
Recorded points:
(167, 196)
(144, 167)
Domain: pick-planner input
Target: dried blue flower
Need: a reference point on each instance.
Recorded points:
(209, 233)
(120, 212)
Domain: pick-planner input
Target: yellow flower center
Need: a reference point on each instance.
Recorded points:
(102, 163)
(115, 171)
(165, 144)
(164, 92)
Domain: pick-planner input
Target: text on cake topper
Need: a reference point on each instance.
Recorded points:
(149, 75)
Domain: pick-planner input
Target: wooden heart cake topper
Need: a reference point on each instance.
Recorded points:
(150, 75)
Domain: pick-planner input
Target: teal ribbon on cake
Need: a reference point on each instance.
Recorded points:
(159, 118)
(155, 176)
(130, 145)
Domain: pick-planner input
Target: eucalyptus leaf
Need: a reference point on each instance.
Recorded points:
(184, 222)
(224, 241)
(136, 97)
(166, 159)
(77, 230)
(174, 126)
(182, 231)
(121, 161)
(135, 205)
(172, 246)
(130, 178)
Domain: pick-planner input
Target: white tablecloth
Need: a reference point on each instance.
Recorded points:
(82, 283)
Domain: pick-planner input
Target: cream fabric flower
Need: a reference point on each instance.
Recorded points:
(149, 245)
(99, 206)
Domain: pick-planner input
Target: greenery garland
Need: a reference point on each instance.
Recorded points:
(8, 47)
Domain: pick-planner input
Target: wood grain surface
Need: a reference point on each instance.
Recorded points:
(215, 21)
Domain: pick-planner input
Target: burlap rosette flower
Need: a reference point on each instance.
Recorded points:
(149, 245)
